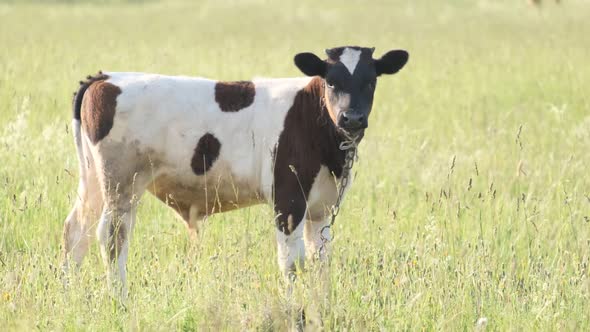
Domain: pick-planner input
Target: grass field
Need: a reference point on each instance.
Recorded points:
(472, 196)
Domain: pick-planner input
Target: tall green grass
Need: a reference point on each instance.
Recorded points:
(472, 196)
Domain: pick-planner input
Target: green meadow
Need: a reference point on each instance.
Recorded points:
(470, 209)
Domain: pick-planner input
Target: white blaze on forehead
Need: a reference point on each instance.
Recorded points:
(350, 58)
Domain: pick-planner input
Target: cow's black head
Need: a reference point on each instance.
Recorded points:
(350, 75)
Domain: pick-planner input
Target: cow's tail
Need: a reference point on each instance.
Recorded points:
(77, 121)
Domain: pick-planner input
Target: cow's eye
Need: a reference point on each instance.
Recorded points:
(330, 85)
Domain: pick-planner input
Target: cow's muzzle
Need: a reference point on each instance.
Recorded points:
(352, 121)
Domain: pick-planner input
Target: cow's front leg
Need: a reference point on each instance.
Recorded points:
(290, 244)
(317, 239)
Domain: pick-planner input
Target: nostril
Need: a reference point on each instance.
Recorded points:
(352, 120)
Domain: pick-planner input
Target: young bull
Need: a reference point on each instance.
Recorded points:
(204, 146)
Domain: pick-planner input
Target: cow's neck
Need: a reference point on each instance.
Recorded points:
(323, 132)
(309, 140)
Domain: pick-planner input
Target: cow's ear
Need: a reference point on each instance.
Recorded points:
(391, 62)
(310, 64)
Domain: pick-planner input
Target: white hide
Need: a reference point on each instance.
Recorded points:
(291, 250)
(323, 194)
(350, 58)
(167, 115)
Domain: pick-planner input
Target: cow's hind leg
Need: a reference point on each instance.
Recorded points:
(194, 223)
(75, 243)
(122, 188)
(113, 232)
(76, 236)
(81, 221)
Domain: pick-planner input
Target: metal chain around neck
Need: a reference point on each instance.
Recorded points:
(350, 148)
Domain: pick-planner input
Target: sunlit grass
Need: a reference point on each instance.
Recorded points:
(472, 195)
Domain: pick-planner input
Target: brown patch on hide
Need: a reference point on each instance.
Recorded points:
(98, 109)
(234, 96)
(206, 153)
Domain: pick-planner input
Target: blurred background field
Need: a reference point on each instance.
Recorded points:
(471, 205)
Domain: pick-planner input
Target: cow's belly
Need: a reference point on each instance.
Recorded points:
(217, 191)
